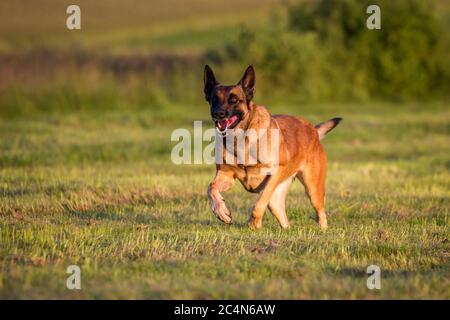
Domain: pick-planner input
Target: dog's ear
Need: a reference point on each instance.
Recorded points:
(248, 83)
(209, 82)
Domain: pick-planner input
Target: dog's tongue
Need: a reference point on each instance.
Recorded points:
(223, 124)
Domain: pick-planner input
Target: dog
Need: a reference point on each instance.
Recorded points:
(300, 153)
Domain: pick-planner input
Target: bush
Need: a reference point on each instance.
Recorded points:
(326, 52)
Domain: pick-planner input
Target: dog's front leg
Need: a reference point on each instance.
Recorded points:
(222, 182)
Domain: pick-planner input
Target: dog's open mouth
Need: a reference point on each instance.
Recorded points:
(225, 124)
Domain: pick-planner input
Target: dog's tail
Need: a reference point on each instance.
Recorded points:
(325, 127)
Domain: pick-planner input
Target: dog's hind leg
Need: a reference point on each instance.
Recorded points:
(313, 178)
(277, 203)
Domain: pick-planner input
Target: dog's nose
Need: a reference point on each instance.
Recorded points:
(219, 114)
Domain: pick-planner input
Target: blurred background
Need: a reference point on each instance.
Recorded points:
(148, 54)
(86, 177)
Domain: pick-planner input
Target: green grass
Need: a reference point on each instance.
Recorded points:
(99, 190)
(86, 176)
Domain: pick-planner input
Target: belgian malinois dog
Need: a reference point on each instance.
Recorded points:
(300, 153)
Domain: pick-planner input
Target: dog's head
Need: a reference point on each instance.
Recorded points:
(230, 105)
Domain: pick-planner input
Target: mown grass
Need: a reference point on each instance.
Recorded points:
(98, 189)
(86, 176)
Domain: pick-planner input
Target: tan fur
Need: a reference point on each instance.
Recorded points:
(301, 155)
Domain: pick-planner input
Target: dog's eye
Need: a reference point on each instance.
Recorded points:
(233, 99)
(215, 99)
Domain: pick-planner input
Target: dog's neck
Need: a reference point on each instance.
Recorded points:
(258, 117)
(251, 114)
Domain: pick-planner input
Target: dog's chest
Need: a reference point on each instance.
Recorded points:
(252, 178)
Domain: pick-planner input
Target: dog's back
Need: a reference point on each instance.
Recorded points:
(298, 137)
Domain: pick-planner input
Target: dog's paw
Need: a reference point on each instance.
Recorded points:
(285, 225)
(323, 224)
(221, 211)
(218, 206)
(254, 223)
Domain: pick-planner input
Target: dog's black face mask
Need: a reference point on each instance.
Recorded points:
(229, 104)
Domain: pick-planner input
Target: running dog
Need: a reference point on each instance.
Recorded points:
(300, 153)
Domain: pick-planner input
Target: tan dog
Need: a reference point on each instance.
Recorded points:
(300, 155)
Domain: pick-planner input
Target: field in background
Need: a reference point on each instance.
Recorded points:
(103, 194)
(113, 25)
(86, 176)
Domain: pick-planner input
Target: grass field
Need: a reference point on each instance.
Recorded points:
(86, 176)
(101, 192)
(141, 24)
